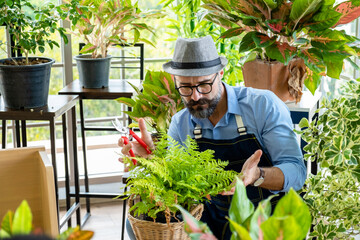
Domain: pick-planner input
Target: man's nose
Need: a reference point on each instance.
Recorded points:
(195, 95)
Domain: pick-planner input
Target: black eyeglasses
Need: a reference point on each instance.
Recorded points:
(203, 88)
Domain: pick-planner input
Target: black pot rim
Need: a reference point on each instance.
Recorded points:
(87, 57)
(51, 61)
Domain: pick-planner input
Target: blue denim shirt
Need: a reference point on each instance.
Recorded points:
(264, 115)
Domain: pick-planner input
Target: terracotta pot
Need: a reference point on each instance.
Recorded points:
(285, 81)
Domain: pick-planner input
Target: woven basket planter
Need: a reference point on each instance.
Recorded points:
(149, 230)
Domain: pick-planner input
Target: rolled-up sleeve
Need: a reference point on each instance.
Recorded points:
(281, 143)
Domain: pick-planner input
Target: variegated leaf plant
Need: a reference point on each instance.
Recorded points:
(283, 29)
(333, 141)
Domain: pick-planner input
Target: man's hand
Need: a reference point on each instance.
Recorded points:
(250, 172)
(135, 146)
(250, 169)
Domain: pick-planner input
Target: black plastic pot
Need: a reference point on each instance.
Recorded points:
(25, 86)
(93, 72)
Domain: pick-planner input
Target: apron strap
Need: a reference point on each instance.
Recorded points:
(197, 132)
(241, 128)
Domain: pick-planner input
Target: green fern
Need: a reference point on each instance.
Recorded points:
(176, 175)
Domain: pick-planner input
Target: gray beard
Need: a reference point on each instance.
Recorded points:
(201, 112)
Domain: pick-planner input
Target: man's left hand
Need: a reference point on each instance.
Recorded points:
(250, 171)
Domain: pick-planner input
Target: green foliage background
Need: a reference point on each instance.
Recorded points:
(166, 33)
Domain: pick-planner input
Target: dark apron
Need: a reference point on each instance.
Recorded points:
(236, 151)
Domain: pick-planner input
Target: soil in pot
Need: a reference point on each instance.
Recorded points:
(22, 62)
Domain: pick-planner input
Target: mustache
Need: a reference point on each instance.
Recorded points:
(201, 101)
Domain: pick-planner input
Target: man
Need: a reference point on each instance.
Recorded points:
(250, 128)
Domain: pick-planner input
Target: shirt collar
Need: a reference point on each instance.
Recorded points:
(233, 108)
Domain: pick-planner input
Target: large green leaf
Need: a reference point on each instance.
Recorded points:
(325, 19)
(22, 219)
(232, 32)
(242, 233)
(329, 40)
(313, 59)
(293, 205)
(282, 52)
(302, 8)
(282, 228)
(88, 48)
(247, 42)
(128, 101)
(334, 61)
(241, 207)
(304, 123)
(263, 40)
(260, 215)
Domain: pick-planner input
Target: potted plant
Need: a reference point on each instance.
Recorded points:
(24, 81)
(173, 175)
(102, 24)
(157, 102)
(291, 218)
(333, 141)
(289, 41)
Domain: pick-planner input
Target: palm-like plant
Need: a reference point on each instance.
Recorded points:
(102, 24)
(284, 29)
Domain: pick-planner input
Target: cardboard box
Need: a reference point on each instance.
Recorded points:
(27, 173)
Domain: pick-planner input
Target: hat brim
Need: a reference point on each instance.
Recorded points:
(195, 72)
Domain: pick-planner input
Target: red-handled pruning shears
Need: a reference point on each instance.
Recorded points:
(128, 132)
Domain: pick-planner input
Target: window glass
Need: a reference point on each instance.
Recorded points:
(3, 43)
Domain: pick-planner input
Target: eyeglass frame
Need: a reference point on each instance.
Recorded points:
(196, 87)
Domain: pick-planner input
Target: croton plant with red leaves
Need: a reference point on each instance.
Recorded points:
(282, 29)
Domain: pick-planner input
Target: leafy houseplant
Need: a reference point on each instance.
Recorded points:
(286, 30)
(24, 81)
(30, 32)
(102, 24)
(291, 218)
(20, 223)
(333, 194)
(173, 175)
(157, 102)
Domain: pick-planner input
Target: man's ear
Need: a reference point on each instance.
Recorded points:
(221, 73)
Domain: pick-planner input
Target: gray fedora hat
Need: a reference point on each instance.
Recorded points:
(195, 57)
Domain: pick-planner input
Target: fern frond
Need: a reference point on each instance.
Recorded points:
(177, 174)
